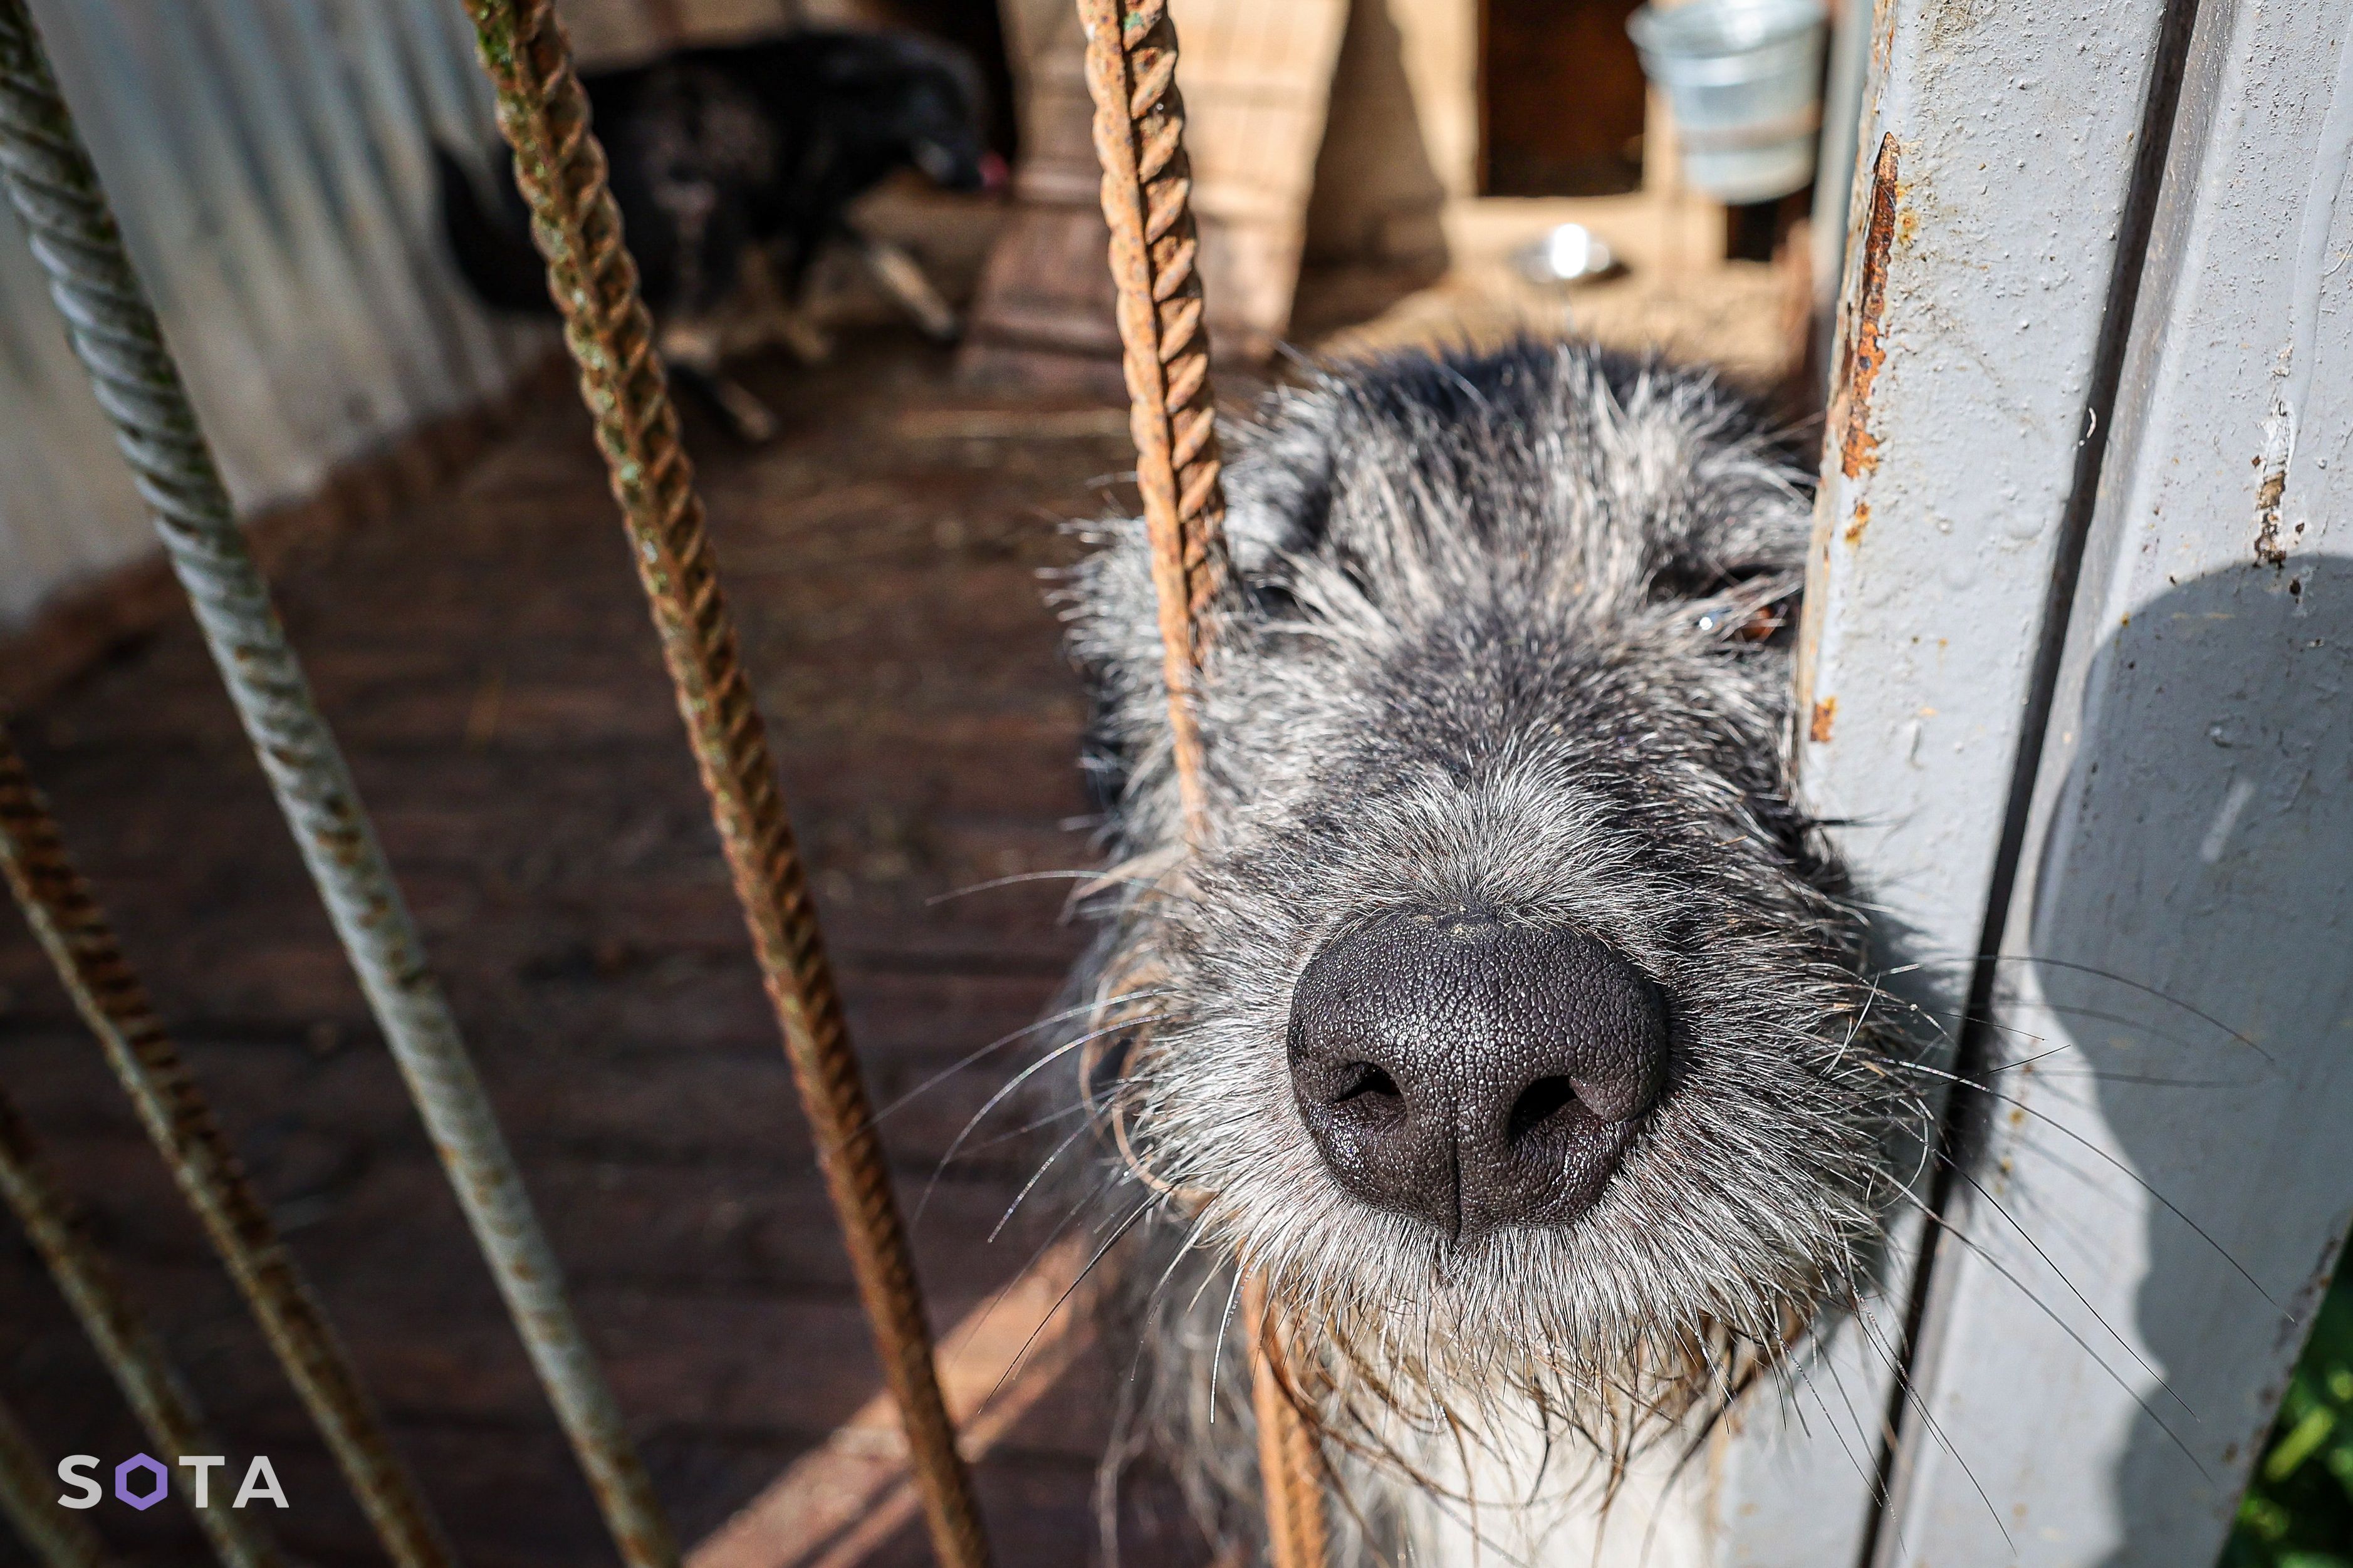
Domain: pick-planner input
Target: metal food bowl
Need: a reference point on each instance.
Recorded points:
(1567, 253)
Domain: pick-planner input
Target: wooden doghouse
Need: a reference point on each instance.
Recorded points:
(1389, 140)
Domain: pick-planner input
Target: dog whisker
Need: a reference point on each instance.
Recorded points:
(1908, 1389)
(2113, 977)
(1038, 1176)
(2073, 1333)
(2122, 1169)
(1096, 877)
(961, 1063)
(1062, 1300)
(1011, 1087)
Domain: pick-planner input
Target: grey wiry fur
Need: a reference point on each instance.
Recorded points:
(1500, 645)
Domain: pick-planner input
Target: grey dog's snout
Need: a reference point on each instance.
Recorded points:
(1474, 1072)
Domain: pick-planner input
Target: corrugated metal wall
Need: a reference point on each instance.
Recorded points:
(269, 160)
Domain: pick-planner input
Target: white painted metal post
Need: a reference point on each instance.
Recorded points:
(1991, 194)
(2101, 1374)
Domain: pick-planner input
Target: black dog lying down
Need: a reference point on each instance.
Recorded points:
(734, 167)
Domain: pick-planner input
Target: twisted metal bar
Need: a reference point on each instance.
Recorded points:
(132, 1352)
(1139, 134)
(562, 171)
(1290, 1465)
(66, 917)
(61, 1540)
(53, 186)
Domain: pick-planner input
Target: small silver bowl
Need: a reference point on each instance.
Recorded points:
(1567, 253)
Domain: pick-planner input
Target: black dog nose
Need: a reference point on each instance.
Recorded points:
(1474, 1072)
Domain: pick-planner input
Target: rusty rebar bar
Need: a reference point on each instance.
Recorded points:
(1291, 1470)
(133, 1355)
(55, 189)
(1139, 135)
(561, 169)
(73, 930)
(28, 1499)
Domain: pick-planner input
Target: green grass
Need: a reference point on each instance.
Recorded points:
(2298, 1511)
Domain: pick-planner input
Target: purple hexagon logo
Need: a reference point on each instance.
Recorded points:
(123, 1472)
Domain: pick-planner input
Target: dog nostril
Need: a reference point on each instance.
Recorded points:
(1538, 1104)
(1365, 1080)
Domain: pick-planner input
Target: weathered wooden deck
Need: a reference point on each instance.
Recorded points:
(487, 660)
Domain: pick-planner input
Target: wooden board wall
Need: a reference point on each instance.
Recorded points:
(1257, 82)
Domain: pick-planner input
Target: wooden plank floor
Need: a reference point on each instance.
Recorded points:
(487, 660)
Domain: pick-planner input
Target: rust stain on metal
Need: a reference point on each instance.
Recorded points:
(1819, 729)
(2269, 551)
(1857, 524)
(1867, 351)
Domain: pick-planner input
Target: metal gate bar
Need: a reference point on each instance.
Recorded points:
(65, 915)
(61, 1540)
(132, 1352)
(54, 188)
(1139, 136)
(561, 168)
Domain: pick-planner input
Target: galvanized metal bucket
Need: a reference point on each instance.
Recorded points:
(1744, 77)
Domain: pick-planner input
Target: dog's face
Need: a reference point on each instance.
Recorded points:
(925, 101)
(943, 134)
(1509, 1019)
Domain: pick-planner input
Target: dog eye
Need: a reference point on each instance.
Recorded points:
(1750, 623)
(1274, 600)
(1690, 579)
